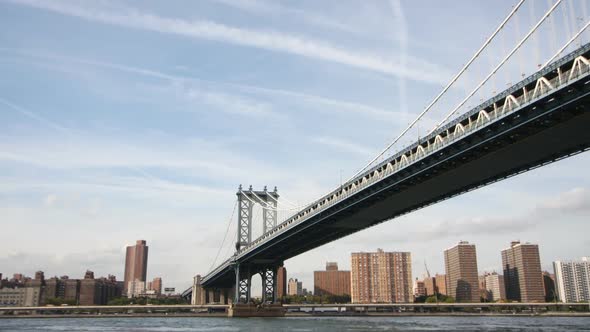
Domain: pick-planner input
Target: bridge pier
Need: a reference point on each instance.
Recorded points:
(203, 296)
(243, 284)
(240, 293)
(199, 295)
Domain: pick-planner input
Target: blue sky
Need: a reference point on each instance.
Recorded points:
(125, 120)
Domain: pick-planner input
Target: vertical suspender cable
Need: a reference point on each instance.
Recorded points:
(499, 65)
(566, 44)
(573, 19)
(446, 88)
(564, 24)
(553, 31)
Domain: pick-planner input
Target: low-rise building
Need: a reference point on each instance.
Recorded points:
(155, 285)
(135, 288)
(441, 284)
(20, 297)
(419, 288)
(332, 281)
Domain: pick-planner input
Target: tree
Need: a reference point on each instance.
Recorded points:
(441, 298)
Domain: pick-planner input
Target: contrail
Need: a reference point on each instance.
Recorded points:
(36, 117)
(70, 133)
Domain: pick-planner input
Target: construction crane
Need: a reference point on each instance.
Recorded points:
(426, 267)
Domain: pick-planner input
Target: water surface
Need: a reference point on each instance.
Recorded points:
(339, 324)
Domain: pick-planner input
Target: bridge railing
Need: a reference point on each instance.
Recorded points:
(491, 111)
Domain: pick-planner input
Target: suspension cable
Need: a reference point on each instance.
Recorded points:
(498, 66)
(566, 45)
(447, 87)
(265, 204)
(225, 236)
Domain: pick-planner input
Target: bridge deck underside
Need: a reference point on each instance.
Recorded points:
(552, 128)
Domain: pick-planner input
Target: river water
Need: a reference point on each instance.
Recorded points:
(339, 324)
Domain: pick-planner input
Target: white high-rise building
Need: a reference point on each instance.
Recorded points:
(495, 287)
(135, 288)
(572, 280)
(295, 287)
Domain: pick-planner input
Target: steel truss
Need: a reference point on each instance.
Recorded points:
(246, 200)
(269, 283)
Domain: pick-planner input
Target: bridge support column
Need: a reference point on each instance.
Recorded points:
(199, 293)
(246, 201)
(269, 216)
(211, 296)
(269, 284)
(243, 285)
(275, 282)
(245, 206)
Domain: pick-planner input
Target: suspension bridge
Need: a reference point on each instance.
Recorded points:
(542, 118)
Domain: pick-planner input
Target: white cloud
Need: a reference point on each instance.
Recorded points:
(274, 9)
(576, 200)
(416, 69)
(344, 145)
(229, 103)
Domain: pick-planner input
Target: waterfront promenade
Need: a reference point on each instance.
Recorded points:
(306, 310)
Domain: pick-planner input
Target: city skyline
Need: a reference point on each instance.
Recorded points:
(420, 276)
(110, 145)
(520, 260)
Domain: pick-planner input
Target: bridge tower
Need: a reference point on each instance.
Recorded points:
(246, 200)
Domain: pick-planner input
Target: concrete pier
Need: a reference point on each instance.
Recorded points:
(251, 310)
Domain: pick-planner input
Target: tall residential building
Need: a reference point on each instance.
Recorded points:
(331, 281)
(483, 291)
(90, 290)
(40, 276)
(572, 279)
(136, 259)
(522, 272)
(381, 277)
(72, 290)
(282, 282)
(295, 287)
(549, 285)
(55, 288)
(441, 283)
(461, 270)
(495, 287)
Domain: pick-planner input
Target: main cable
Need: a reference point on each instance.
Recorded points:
(446, 88)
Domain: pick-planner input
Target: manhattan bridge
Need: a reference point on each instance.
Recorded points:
(539, 118)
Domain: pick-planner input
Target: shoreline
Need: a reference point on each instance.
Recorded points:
(300, 315)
